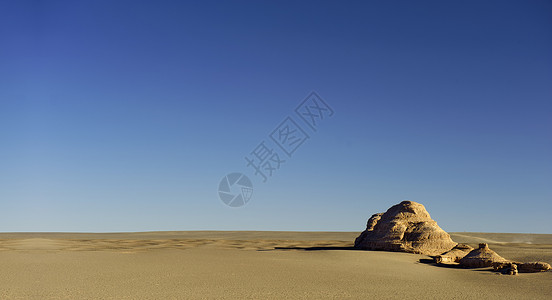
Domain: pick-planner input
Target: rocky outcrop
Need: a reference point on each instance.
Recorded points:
(530, 267)
(405, 227)
(533, 267)
(369, 228)
(513, 270)
(454, 255)
(481, 258)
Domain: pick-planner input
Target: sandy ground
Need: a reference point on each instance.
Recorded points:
(252, 265)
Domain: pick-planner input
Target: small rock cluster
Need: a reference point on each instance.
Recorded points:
(408, 227)
(512, 267)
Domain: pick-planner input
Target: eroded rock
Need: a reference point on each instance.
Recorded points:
(454, 255)
(530, 267)
(481, 258)
(405, 227)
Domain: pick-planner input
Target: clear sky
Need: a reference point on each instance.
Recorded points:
(126, 115)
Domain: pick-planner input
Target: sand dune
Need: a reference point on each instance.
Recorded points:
(251, 265)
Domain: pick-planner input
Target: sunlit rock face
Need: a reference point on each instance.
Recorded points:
(481, 257)
(405, 227)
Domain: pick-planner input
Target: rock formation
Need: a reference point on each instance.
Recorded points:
(531, 267)
(513, 270)
(481, 258)
(454, 255)
(405, 227)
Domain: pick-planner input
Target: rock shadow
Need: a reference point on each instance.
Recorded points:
(314, 248)
(431, 261)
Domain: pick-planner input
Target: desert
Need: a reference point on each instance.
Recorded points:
(275, 149)
(253, 265)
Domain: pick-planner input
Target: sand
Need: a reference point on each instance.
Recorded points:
(252, 265)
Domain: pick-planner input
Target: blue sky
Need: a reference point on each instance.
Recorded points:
(125, 115)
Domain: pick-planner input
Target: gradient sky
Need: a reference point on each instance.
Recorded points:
(125, 115)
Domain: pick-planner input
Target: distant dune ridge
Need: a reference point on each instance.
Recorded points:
(405, 227)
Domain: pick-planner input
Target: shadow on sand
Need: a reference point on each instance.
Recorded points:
(431, 261)
(316, 248)
(428, 261)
